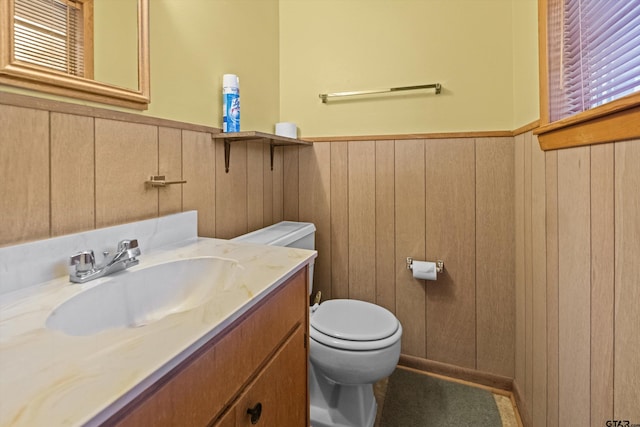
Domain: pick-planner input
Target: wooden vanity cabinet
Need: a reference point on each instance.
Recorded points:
(277, 396)
(259, 364)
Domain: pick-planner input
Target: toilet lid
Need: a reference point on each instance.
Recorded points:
(354, 320)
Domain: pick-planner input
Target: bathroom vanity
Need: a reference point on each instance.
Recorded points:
(255, 369)
(229, 349)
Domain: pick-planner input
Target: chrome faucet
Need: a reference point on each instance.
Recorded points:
(85, 262)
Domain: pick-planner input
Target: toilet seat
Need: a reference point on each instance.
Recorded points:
(354, 325)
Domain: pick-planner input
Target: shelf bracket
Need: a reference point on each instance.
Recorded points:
(271, 150)
(227, 155)
(272, 140)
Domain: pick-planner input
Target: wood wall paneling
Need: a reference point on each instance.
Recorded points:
(277, 176)
(267, 186)
(199, 170)
(551, 377)
(528, 274)
(410, 242)
(583, 371)
(627, 288)
(255, 187)
(495, 255)
(385, 225)
(315, 207)
(362, 220)
(538, 285)
(364, 179)
(520, 355)
(72, 179)
(575, 237)
(339, 220)
(602, 283)
(170, 165)
(574, 271)
(126, 155)
(24, 173)
(290, 183)
(450, 192)
(231, 191)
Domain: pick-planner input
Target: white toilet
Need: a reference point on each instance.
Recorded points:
(353, 343)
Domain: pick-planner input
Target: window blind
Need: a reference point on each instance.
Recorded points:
(49, 33)
(594, 53)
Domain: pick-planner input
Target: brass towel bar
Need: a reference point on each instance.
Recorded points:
(325, 96)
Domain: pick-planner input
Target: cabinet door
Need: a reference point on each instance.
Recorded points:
(279, 392)
(227, 420)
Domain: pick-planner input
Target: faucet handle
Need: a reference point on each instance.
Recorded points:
(128, 247)
(84, 261)
(123, 245)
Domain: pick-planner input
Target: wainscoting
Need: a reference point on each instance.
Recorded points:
(377, 202)
(577, 287)
(541, 250)
(68, 168)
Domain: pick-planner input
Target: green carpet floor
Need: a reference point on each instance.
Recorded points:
(417, 400)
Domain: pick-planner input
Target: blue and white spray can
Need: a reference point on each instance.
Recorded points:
(230, 103)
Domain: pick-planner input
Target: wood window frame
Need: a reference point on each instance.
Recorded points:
(615, 121)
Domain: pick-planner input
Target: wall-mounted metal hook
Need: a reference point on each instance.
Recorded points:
(159, 181)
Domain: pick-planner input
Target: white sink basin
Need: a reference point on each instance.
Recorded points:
(131, 299)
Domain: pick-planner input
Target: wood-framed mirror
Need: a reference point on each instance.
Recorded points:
(100, 49)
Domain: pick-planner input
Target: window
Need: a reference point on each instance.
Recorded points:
(590, 57)
(53, 34)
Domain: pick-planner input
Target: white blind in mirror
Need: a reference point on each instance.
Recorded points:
(49, 33)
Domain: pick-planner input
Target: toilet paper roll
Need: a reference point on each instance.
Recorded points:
(424, 270)
(288, 129)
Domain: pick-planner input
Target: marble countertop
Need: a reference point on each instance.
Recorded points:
(48, 378)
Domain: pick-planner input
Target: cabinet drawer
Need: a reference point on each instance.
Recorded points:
(280, 389)
(200, 388)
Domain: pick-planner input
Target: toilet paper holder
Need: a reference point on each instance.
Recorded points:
(439, 265)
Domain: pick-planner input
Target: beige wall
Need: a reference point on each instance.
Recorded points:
(192, 47)
(577, 312)
(526, 105)
(375, 203)
(115, 48)
(286, 52)
(334, 45)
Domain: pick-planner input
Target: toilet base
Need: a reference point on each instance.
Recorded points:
(337, 405)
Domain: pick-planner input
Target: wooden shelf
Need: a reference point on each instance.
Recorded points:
(267, 138)
(275, 140)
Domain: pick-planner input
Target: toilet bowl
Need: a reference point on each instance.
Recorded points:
(352, 343)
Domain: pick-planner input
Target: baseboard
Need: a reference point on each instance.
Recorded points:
(521, 405)
(466, 374)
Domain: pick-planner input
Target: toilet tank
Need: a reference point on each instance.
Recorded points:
(300, 235)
